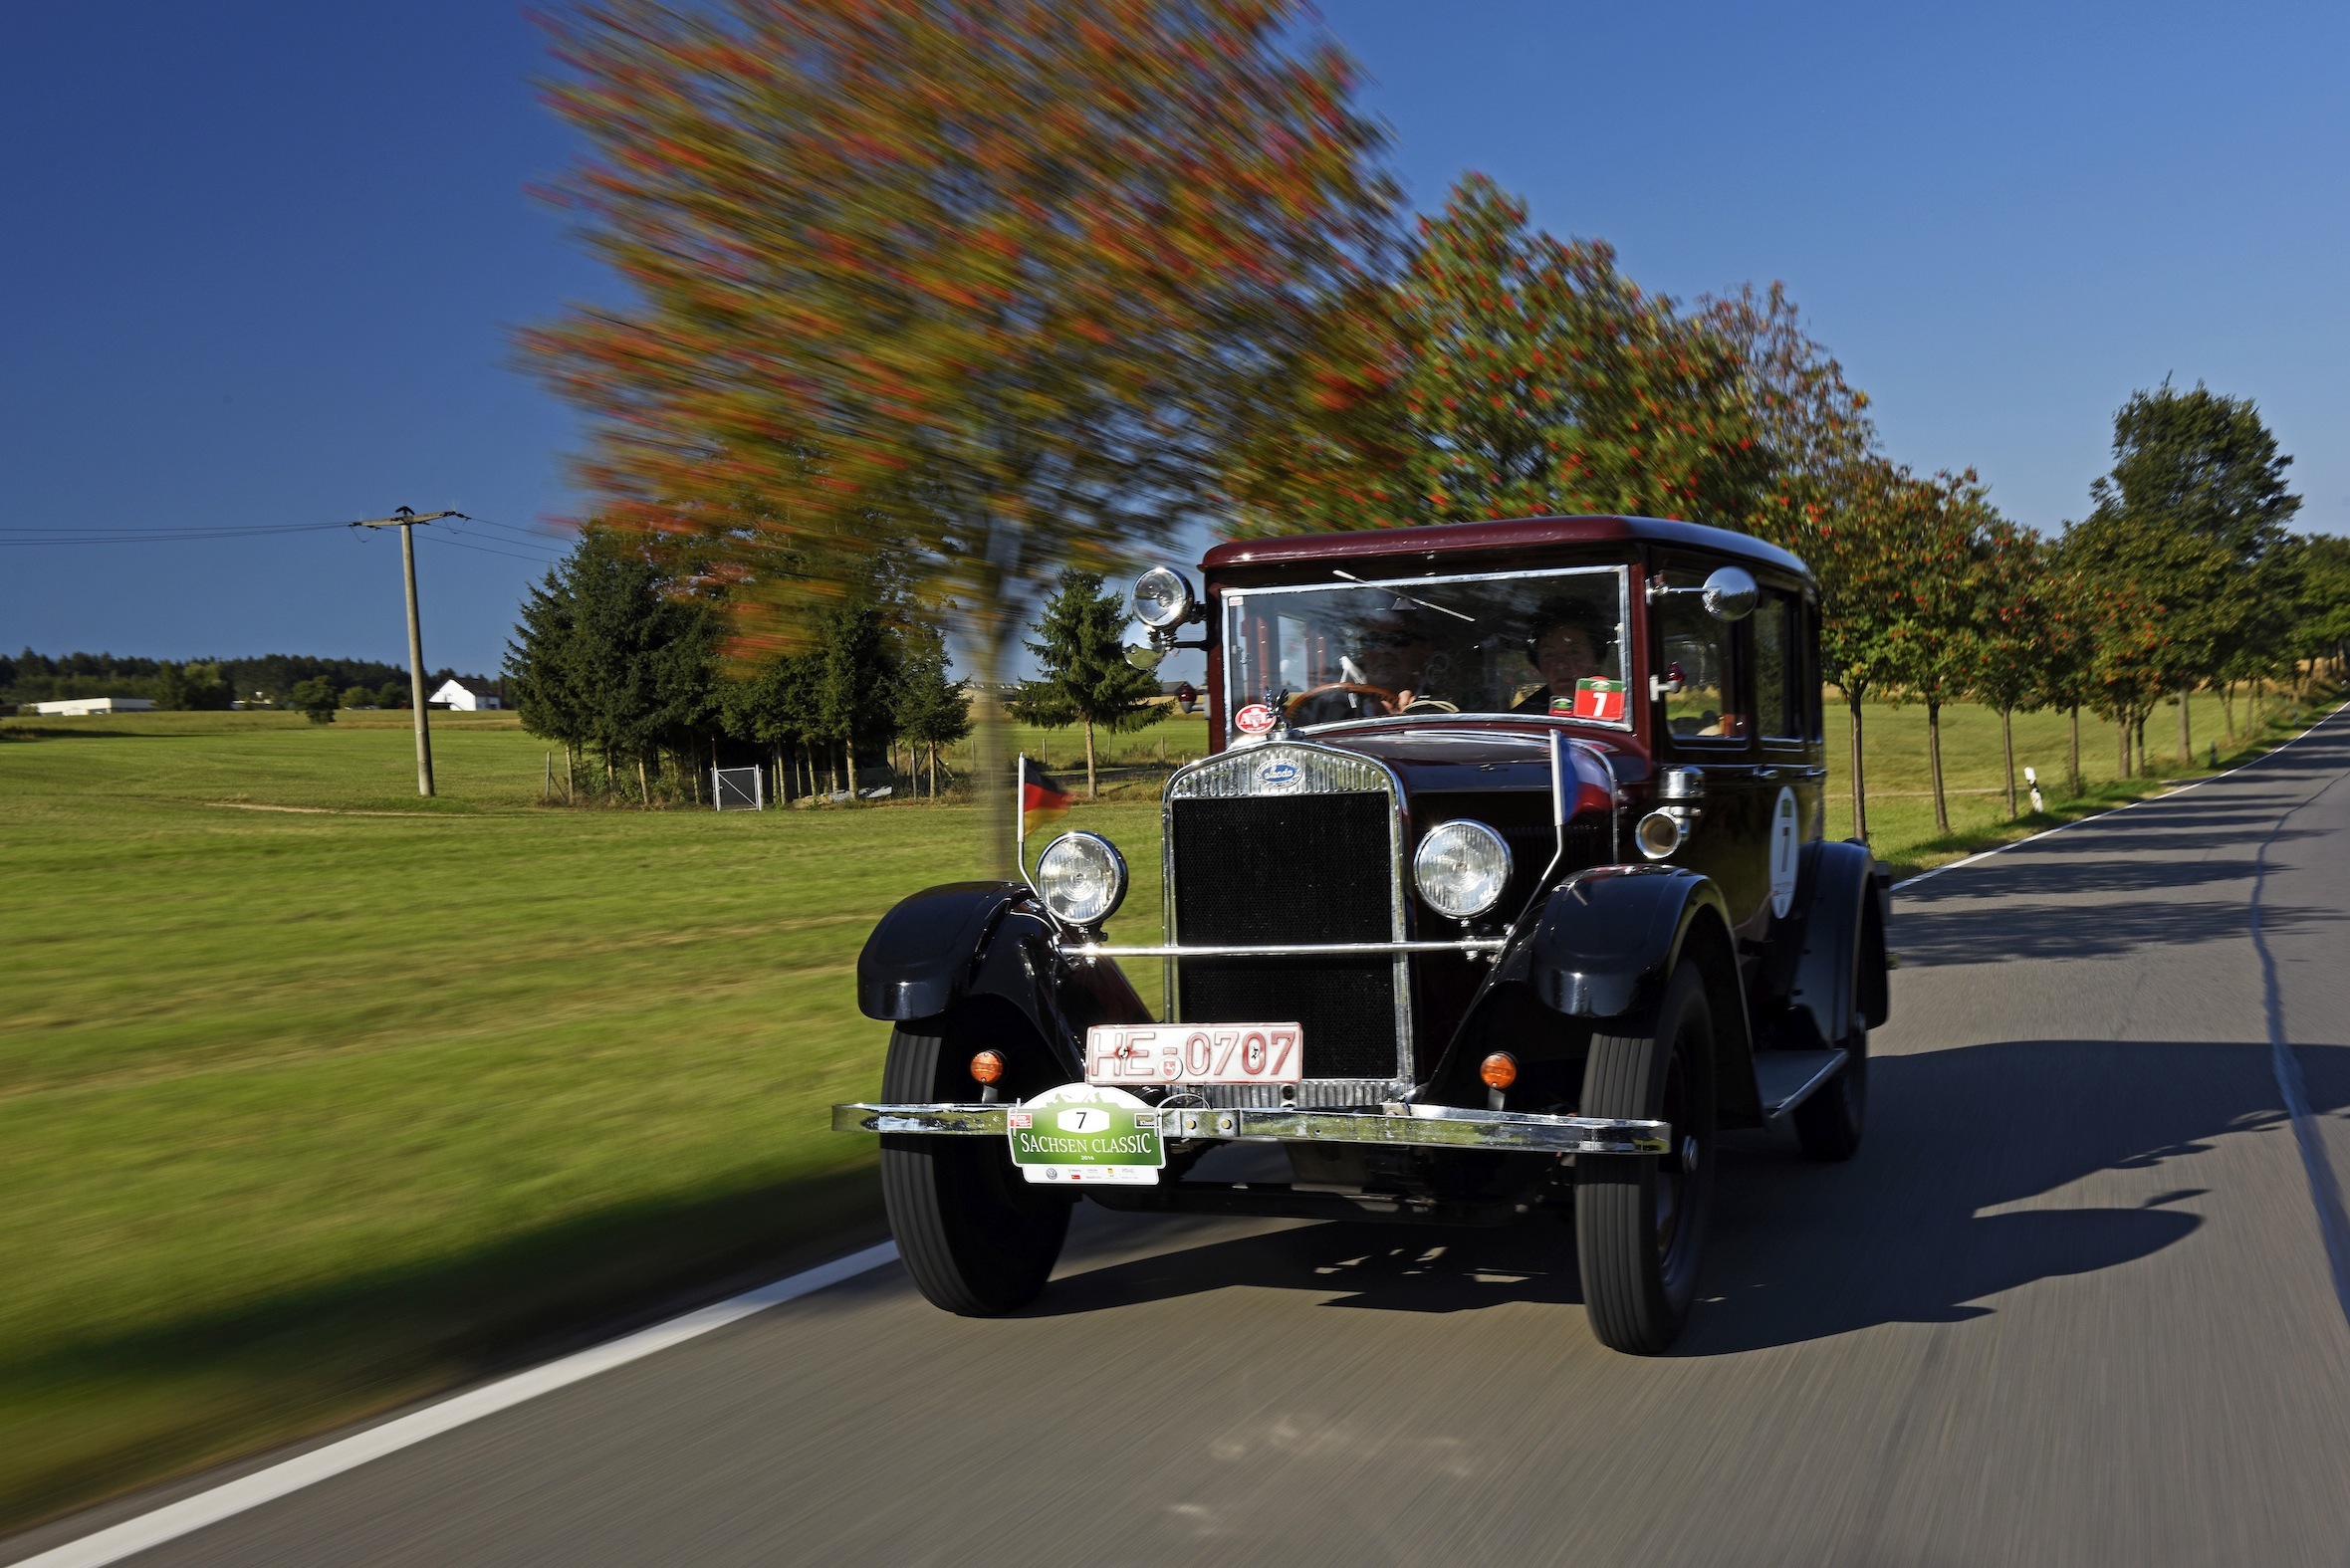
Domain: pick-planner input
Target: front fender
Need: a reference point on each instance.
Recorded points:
(1605, 941)
(1601, 948)
(920, 956)
(947, 946)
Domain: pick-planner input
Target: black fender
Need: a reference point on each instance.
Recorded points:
(1600, 948)
(1830, 975)
(945, 948)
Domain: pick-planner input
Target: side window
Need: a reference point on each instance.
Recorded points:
(1697, 660)
(1778, 662)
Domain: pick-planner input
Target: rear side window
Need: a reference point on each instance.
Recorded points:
(1780, 708)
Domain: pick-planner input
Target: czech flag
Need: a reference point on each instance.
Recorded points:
(1041, 801)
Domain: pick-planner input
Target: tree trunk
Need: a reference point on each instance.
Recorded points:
(2186, 734)
(2138, 732)
(2122, 722)
(993, 777)
(2074, 783)
(1860, 806)
(2008, 749)
(2227, 711)
(643, 788)
(1093, 790)
(1933, 765)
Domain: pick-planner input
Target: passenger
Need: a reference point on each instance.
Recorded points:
(1563, 653)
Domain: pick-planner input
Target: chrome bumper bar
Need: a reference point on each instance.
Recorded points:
(1094, 950)
(1434, 1126)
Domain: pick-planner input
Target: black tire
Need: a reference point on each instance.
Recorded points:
(1640, 1218)
(1828, 1125)
(977, 1240)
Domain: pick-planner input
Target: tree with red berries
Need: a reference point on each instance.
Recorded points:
(1504, 373)
(986, 286)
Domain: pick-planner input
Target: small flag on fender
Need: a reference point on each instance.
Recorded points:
(1041, 801)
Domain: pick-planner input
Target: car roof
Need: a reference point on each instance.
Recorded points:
(1498, 535)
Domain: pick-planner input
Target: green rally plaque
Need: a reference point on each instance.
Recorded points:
(1085, 1134)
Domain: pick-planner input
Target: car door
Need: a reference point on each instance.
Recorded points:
(1791, 771)
(1707, 722)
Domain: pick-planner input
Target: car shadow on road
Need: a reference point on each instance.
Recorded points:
(1963, 1192)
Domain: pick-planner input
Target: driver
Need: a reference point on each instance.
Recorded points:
(1563, 653)
(1393, 655)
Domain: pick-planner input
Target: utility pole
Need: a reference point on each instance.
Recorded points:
(405, 520)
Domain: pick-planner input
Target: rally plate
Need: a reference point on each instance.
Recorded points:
(1084, 1135)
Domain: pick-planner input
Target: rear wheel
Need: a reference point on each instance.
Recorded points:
(976, 1239)
(1828, 1124)
(1640, 1218)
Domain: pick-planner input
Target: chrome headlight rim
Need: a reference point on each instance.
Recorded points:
(1163, 599)
(1062, 877)
(1460, 899)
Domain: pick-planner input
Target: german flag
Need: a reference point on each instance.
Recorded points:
(1041, 801)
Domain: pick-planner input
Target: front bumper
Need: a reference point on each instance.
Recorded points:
(1429, 1126)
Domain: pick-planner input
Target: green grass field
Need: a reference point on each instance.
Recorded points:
(308, 1110)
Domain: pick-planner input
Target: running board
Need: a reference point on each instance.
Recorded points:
(1787, 1078)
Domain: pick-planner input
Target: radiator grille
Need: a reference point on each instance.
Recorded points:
(1298, 868)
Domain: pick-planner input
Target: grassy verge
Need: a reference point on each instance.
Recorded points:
(316, 1097)
(1900, 803)
(307, 1111)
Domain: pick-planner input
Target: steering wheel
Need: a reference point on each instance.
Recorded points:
(1386, 697)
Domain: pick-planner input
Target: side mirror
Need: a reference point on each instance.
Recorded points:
(1146, 657)
(1730, 594)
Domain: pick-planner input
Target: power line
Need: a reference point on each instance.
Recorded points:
(154, 536)
(484, 549)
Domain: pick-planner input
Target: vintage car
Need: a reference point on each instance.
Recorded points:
(1505, 886)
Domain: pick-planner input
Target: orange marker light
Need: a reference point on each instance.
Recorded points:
(986, 1066)
(1500, 1070)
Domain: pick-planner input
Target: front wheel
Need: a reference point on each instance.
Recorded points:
(1640, 1218)
(977, 1240)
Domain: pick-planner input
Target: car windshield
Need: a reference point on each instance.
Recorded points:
(1518, 642)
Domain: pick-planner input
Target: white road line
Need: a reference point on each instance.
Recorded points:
(250, 1491)
(2325, 1194)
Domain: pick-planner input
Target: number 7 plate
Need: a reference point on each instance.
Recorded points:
(1146, 1053)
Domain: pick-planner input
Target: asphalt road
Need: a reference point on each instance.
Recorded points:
(2074, 1303)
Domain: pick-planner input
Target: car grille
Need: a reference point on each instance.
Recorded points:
(1316, 866)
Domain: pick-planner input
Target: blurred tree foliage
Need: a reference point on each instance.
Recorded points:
(988, 285)
(1504, 374)
(1081, 647)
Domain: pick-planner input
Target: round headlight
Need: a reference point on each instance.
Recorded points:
(1461, 869)
(1082, 878)
(1162, 599)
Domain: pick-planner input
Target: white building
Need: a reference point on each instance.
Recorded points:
(465, 696)
(82, 707)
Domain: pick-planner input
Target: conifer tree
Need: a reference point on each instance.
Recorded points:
(1080, 644)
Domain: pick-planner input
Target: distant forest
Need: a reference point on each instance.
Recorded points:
(269, 679)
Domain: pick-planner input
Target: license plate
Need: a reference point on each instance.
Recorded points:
(1084, 1135)
(1160, 1053)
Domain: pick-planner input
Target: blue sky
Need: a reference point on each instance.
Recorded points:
(258, 263)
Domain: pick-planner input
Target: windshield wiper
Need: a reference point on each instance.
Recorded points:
(1406, 597)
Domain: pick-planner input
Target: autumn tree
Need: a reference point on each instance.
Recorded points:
(992, 284)
(2009, 632)
(1086, 680)
(1930, 650)
(1504, 373)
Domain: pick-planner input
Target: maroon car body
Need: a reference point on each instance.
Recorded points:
(1522, 822)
